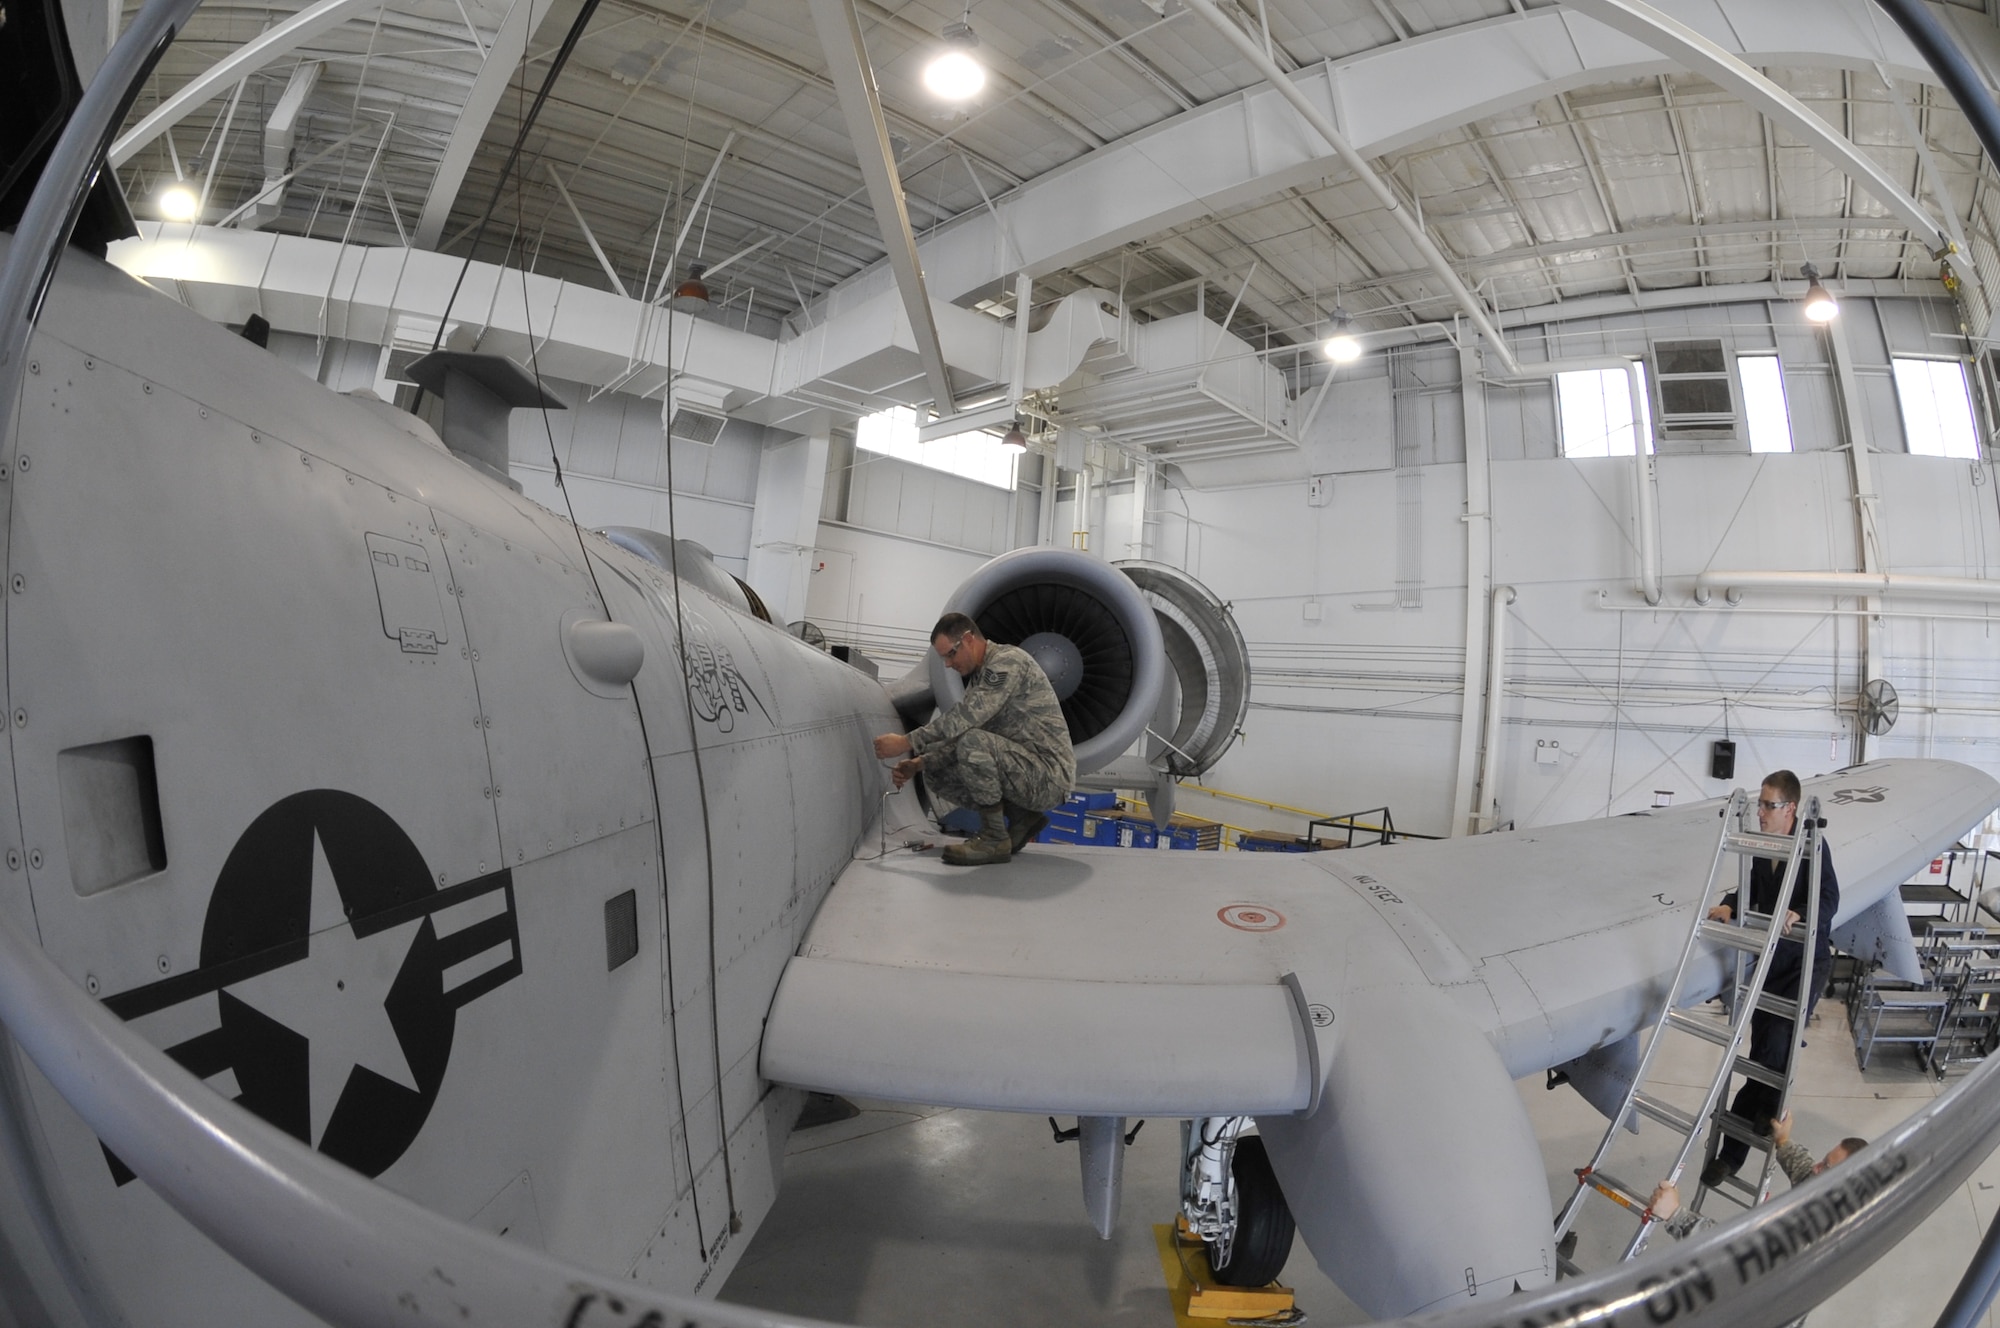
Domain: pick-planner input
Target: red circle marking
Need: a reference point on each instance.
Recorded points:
(1251, 917)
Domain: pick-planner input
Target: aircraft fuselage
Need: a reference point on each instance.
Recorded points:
(314, 792)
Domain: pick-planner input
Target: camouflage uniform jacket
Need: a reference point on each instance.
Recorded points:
(1008, 696)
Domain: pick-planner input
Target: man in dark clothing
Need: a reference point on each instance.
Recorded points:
(1004, 748)
(1772, 1037)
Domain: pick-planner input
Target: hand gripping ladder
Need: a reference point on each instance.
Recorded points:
(1746, 943)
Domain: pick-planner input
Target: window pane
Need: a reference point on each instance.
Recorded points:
(1764, 403)
(1689, 357)
(1594, 413)
(976, 456)
(1937, 409)
(1695, 396)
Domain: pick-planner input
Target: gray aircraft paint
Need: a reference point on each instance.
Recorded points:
(1450, 969)
(206, 535)
(192, 535)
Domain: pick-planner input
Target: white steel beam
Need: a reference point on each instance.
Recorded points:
(589, 235)
(233, 68)
(1194, 165)
(854, 79)
(1323, 125)
(1687, 47)
(281, 134)
(503, 58)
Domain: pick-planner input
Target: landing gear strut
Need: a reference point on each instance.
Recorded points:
(1231, 1199)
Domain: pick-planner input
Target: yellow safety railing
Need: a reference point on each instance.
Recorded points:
(1308, 813)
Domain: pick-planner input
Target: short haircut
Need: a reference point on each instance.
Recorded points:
(1853, 1146)
(1785, 782)
(955, 625)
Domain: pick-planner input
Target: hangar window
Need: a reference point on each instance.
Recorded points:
(1937, 408)
(1594, 413)
(976, 456)
(1770, 424)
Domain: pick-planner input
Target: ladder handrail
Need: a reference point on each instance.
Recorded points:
(1811, 825)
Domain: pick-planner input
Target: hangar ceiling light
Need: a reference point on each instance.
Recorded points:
(177, 202)
(1819, 305)
(955, 74)
(1342, 346)
(692, 294)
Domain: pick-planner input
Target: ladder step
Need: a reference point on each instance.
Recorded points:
(1737, 1190)
(1705, 1027)
(1757, 923)
(1739, 1128)
(1762, 845)
(1729, 934)
(1782, 1006)
(1763, 1074)
(1666, 1114)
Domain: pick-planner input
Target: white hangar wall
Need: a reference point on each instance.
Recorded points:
(1355, 611)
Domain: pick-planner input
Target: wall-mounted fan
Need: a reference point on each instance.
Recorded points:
(1879, 707)
(808, 632)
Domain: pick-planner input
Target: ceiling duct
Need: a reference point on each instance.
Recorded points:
(692, 425)
(1194, 390)
(693, 411)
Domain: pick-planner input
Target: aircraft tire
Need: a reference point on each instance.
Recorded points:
(1264, 1225)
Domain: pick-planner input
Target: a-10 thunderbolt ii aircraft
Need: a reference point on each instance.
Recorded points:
(498, 863)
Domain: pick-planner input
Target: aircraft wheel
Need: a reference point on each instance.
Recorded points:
(1264, 1225)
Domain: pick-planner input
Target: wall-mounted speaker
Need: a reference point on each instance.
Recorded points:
(1722, 759)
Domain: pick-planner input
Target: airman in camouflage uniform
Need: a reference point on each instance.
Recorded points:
(1003, 749)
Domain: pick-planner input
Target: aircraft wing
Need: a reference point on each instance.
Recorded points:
(1371, 1007)
(1095, 981)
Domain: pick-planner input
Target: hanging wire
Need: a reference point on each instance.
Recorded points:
(645, 737)
(562, 56)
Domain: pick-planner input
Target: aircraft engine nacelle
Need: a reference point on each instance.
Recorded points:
(1090, 629)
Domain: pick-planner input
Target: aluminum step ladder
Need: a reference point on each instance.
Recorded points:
(1746, 943)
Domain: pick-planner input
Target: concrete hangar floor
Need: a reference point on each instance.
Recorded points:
(905, 1214)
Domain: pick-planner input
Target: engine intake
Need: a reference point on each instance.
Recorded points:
(1090, 629)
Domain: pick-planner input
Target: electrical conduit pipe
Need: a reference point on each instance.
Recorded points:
(1496, 692)
(1734, 584)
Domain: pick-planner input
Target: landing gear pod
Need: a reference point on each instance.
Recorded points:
(1090, 629)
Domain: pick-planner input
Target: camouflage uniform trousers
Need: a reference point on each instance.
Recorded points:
(983, 769)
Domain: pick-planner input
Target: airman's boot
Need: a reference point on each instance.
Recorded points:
(991, 844)
(1023, 825)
